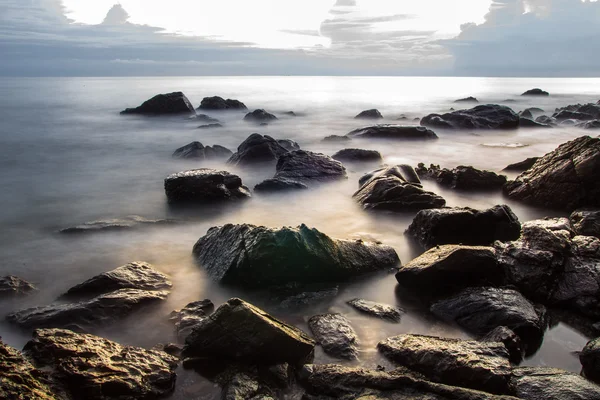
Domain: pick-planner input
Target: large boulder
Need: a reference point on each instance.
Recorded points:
(90, 367)
(468, 226)
(305, 166)
(552, 384)
(204, 185)
(259, 116)
(198, 151)
(535, 92)
(217, 103)
(465, 363)
(571, 168)
(462, 177)
(256, 256)
(278, 185)
(490, 116)
(369, 114)
(394, 132)
(164, 104)
(257, 149)
(117, 224)
(522, 165)
(392, 193)
(357, 155)
(586, 222)
(590, 360)
(135, 275)
(88, 314)
(240, 331)
(383, 311)
(335, 335)
(13, 286)
(450, 268)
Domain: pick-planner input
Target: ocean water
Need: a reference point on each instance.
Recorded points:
(67, 157)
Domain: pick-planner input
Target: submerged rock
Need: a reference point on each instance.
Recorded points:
(305, 166)
(490, 116)
(586, 222)
(535, 92)
(259, 116)
(279, 185)
(336, 138)
(164, 104)
(335, 334)
(464, 363)
(464, 226)
(522, 165)
(462, 177)
(90, 367)
(469, 99)
(357, 155)
(256, 256)
(544, 119)
(190, 315)
(117, 224)
(204, 185)
(240, 331)
(532, 383)
(595, 124)
(219, 103)
(529, 123)
(198, 150)
(13, 286)
(257, 149)
(394, 132)
(204, 118)
(379, 310)
(511, 341)
(369, 114)
(209, 126)
(402, 171)
(571, 168)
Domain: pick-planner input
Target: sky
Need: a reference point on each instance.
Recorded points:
(292, 37)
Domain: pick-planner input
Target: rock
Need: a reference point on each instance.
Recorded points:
(240, 387)
(450, 268)
(369, 114)
(469, 99)
(278, 185)
(544, 119)
(335, 334)
(464, 226)
(204, 185)
(288, 144)
(402, 171)
(394, 194)
(97, 312)
(574, 115)
(218, 103)
(94, 368)
(481, 310)
(357, 155)
(586, 222)
(535, 92)
(336, 138)
(465, 363)
(135, 275)
(551, 384)
(257, 149)
(13, 286)
(534, 110)
(403, 132)
(240, 331)
(511, 341)
(490, 116)
(204, 118)
(571, 168)
(259, 116)
(209, 126)
(522, 165)
(256, 256)
(462, 177)
(526, 114)
(590, 360)
(594, 124)
(569, 122)
(117, 224)
(379, 310)
(528, 123)
(164, 104)
(198, 150)
(190, 315)
(290, 113)
(308, 297)
(306, 166)
(21, 380)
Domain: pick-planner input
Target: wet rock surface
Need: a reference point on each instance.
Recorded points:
(378, 310)
(357, 155)
(257, 149)
(279, 185)
(117, 224)
(402, 171)
(204, 185)
(369, 114)
(464, 226)
(394, 132)
(571, 168)
(335, 335)
(586, 222)
(197, 150)
(490, 116)
(522, 165)
(306, 166)
(13, 286)
(164, 104)
(511, 341)
(462, 177)
(259, 116)
(190, 315)
(257, 256)
(590, 360)
(218, 103)
(552, 384)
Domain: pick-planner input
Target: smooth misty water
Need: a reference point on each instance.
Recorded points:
(67, 157)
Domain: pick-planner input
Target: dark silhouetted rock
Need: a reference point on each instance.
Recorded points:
(552, 384)
(357, 155)
(219, 103)
(511, 341)
(336, 138)
(578, 116)
(278, 185)
(450, 268)
(90, 367)
(164, 104)
(335, 334)
(97, 312)
(256, 256)
(529, 123)
(462, 177)
(535, 92)
(465, 363)
(469, 99)
(590, 360)
(204, 185)
(290, 113)
(594, 124)
(288, 144)
(257, 149)
(135, 275)
(526, 114)
(544, 119)
(402, 171)
(379, 310)
(569, 122)
(369, 114)
(240, 331)
(522, 165)
(395, 194)
(490, 116)
(394, 132)
(259, 116)
(198, 150)
(210, 126)
(190, 315)
(117, 224)
(464, 226)
(571, 168)
(586, 222)
(204, 118)
(13, 286)
(306, 166)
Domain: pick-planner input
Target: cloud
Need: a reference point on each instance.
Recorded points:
(116, 16)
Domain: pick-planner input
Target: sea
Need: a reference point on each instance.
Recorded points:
(68, 157)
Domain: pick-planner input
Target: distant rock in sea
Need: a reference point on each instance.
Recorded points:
(535, 92)
(164, 104)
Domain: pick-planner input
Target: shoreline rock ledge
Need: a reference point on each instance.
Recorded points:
(259, 257)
